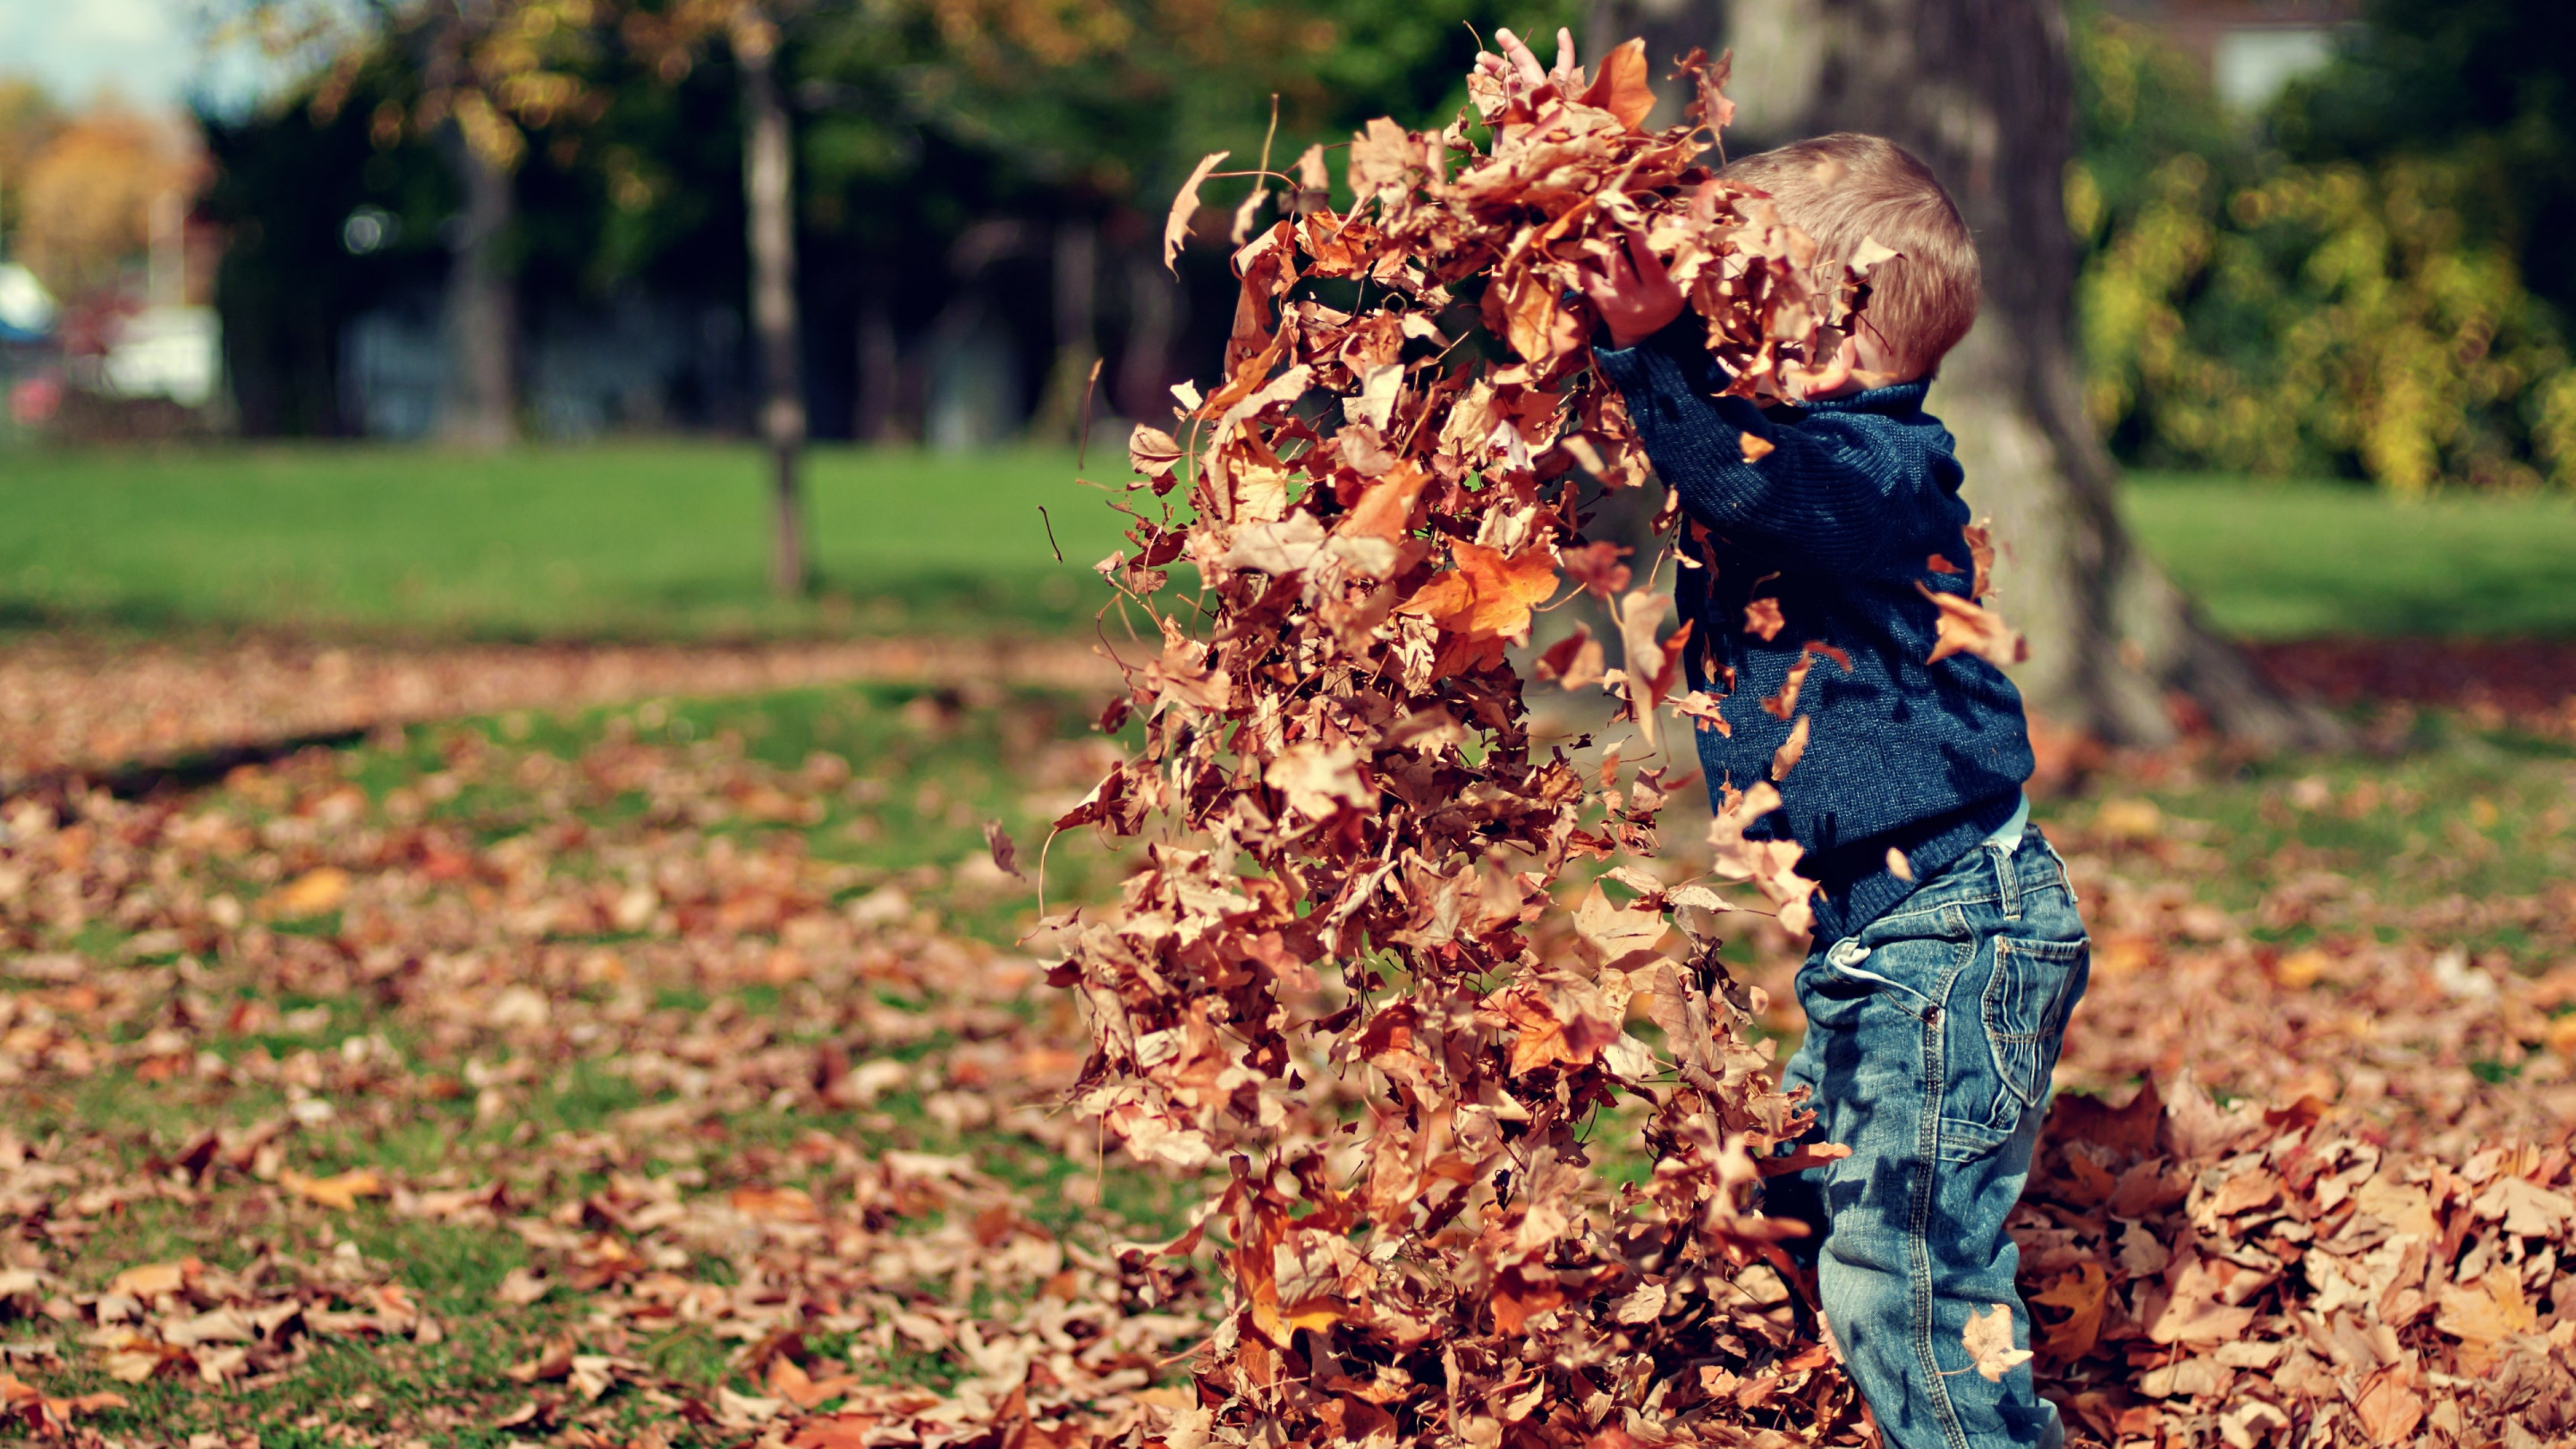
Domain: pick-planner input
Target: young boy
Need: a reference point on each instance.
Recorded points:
(1947, 948)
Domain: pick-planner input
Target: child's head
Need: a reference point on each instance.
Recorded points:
(1847, 188)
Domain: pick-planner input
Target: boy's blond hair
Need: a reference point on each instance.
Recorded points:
(1848, 188)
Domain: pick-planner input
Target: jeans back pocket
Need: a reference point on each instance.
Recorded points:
(2034, 986)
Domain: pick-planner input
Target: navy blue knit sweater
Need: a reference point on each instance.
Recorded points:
(1838, 524)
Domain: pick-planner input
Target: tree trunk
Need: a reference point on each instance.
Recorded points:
(479, 407)
(1069, 381)
(1983, 92)
(880, 357)
(768, 185)
(1154, 303)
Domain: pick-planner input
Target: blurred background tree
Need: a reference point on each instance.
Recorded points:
(977, 188)
(77, 192)
(28, 120)
(2371, 277)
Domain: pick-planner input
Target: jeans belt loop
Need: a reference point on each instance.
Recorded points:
(2007, 880)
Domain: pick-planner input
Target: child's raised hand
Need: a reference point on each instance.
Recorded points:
(1518, 68)
(1633, 293)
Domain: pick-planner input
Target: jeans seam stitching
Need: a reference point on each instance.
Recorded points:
(1919, 1229)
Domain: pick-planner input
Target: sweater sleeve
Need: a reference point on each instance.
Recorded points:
(1820, 496)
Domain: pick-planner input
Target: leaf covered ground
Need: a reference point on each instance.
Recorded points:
(666, 1074)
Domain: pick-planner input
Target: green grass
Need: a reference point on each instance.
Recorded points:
(2292, 560)
(669, 539)
(654, 539)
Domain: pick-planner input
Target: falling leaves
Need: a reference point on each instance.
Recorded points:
(1966, 628)
(1573, 661)
(1185, 205)
(1596, 567)
(1488, 596)
(1791, 750)
(1004, 851)
(1343, 920)
(1387, 975)
(1989, 1341)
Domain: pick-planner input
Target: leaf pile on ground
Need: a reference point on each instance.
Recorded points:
(620, 1085)
(567, 1093)
(2527, 683)
(2387, 988)
(2287, 1275)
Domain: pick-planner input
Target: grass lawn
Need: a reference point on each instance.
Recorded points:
(668, 539)
(2299, 560)
(654, 539)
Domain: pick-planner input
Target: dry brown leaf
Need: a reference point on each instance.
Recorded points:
(1966, 628)
(313, 893)
(1989, 1341)
(1185, 205)
(789, 1380)
(1005, 852)
(1791, 750)
(151, 1280)
(775, 1204)
(1574, 661)
(339, 1191)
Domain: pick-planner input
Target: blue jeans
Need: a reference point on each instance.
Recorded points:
(1930, 1039)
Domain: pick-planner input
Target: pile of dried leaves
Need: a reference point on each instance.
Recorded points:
(2285, 1275)
(1331, 987)
(1327, 978)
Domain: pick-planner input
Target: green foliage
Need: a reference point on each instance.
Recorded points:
(1108, 101)
(2358, 309)
(2494, 79)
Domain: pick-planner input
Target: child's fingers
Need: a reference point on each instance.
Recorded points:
(1517, 51)
(1649, 267)
(1565, 52)
(1603, 283)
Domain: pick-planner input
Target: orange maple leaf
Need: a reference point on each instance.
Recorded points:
(1487, 596)
(2082, 1294)
(788, 1380)
(1619, 85)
